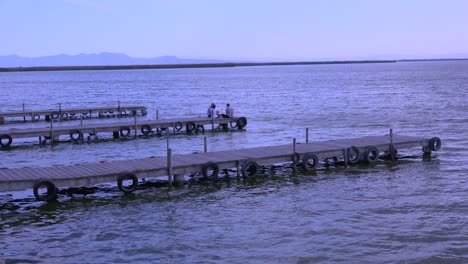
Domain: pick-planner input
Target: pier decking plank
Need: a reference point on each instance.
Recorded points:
(92, 173)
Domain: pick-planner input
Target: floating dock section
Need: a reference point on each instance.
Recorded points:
(128, 129)
(63, 114)
(246, 162)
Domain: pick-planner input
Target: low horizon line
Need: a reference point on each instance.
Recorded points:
(207, 65)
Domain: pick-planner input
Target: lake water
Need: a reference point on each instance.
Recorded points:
(412, 211)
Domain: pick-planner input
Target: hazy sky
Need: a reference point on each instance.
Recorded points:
(280, 29)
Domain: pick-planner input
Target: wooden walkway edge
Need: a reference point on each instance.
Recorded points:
(62, 114)
(121, 129)
(94, 173)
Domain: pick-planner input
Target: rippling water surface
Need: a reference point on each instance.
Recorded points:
(410, 211)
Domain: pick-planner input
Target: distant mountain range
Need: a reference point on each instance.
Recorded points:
(94, 59)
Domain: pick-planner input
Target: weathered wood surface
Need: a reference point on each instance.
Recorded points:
(94, 173)
(66, 113)
(135, 125)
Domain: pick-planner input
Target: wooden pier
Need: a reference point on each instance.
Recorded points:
(245, 161)
(128, 129)
(62, 114)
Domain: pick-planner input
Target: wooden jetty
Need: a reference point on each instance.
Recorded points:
(125, 129)
(62, 114)
(246, 161)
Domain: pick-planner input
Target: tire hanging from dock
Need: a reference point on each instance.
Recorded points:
(435, 144)
(178, 126)
(371, 154)
(241, 122)
(51, 193)
(353, 154)
(250, 168)
(191, 128)
(310, 162)
(124, 132)
(8, 139)
(76, 135)
(210, 166)
(128, 188)
(146, 130)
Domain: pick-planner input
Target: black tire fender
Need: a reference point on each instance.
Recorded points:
(127, 176)
(64, 116)
(210, 166)
(353, 158)
(8, 138)
(371, 154)
(146, 130)
(55, 115)
(124, 132)
(241, 122)
(250, 168)
(36, 117)
(191, 127)
(51, 194)
(178, 126)
(435, 144)
(200, 129)
(233, 124)
(307, 164)
(76, 135)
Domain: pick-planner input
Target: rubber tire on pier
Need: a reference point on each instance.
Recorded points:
(51, 194)
(2, 120)
(64, 116)
(306, 162)
(144, 112)
(55, 115)
(8, 138)
(36, 117)
(124, 132)
(200, 129)
(250, 168)
(146, 130)
(233, 124)
(350, 151)
(371, 154)
(76, 132)
(123, 113)
(178, 126)
(210, 166)
(159, 131)
(127, 176)
(191, 128)
(241, 122)
(435, 144)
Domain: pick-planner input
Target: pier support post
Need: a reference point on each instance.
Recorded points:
(169, 167)
(307, 135)
(118, 109)
(135, 125)
(157, 114)
(52, 133)
(294, 145)
(24, 117)
(345, 157)
(391, 147)
(60, 111)
(205, 148)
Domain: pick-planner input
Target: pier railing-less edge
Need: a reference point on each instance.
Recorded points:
(246, 162)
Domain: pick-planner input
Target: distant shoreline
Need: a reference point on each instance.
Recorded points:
(199, 65)
(177, 66)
